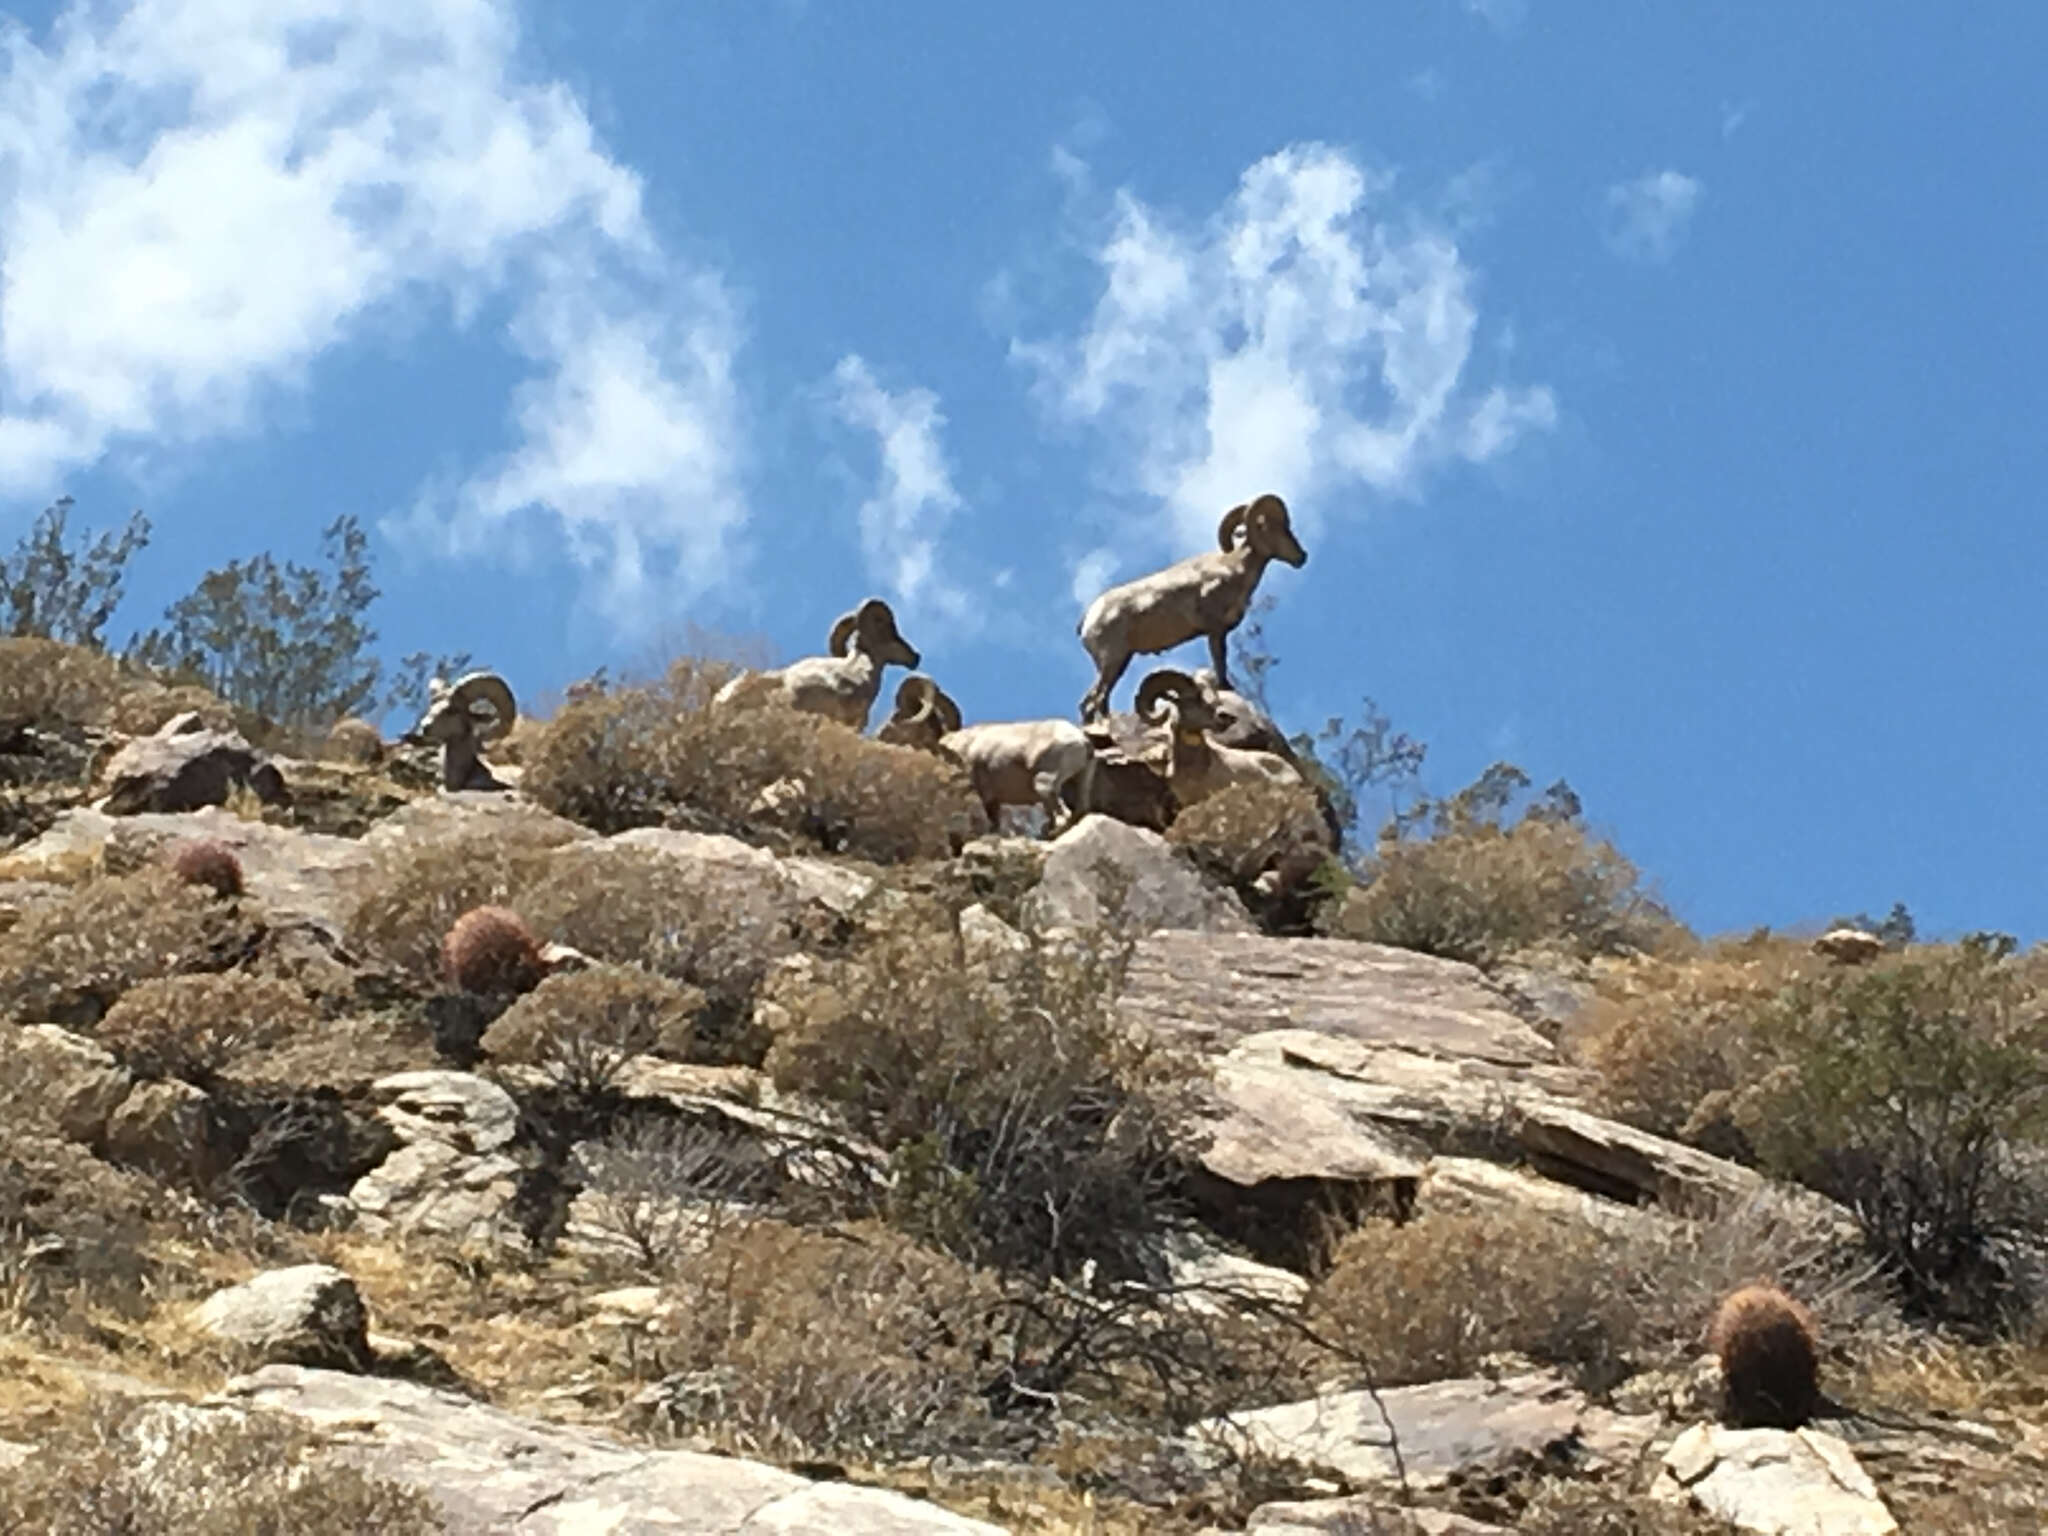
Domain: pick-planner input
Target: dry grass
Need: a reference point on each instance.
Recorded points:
(69, 961)
(661, 755)
(151, 1470)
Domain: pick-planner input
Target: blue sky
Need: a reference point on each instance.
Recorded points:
(1656, 387)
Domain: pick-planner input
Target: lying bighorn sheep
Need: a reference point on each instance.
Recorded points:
(1204, 594)
(451, 721)
(1197, 766)
(841, 686)
(1048, 763)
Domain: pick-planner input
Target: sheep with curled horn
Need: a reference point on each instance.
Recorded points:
(841, 685)
(1198, 766)
(461, 718)
(1047, 763)
(1206, 595)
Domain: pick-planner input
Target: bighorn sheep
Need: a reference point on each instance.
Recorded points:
(1197, 766)
(1048, 763)
(451, 721)
(1205, 594)
(840, 686)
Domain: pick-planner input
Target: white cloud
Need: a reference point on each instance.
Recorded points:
(1302, 340)
(1647, 218)
(1504, 16)
(1091, 576)
(903, 521)
(198, 198)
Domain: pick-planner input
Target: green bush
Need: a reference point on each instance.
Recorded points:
(661, 755)
(1456, 878)
(1914, 1090)
(1030, 1128)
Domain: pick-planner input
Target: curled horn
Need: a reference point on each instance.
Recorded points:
(842, 631)
(1269, 509)
(1232, 525)
(948, 711)
(1170, 686)
(916, 697)
(485, 688)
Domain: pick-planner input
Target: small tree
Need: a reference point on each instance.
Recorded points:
(52, 591)
(287, 642)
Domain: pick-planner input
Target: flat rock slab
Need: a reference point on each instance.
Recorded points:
(1775, 1482)
(292, 873)
(491, 1471)
(837, 889)
(1446, 1430)
(1214, 989)
(1295, 1104)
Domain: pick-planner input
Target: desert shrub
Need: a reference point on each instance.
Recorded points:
(148, 704)
(1030, 1127)
(69, 959)
(210, 864)
(415, 890)
(849, 1342)
(1914, 1090)
(1674, 1041)
(492, 950)
(661, 755)
(164, 1471)
(44, 683)
(1456, 878)
(1252, 829)
(657, 1187)
(712, 927)
(72, 1227)
(1430, 1298)
(192, 1027)
(354, 740)
(581, 1026)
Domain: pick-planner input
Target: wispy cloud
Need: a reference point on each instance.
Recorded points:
(1647, 219)
(903, 522)
(198, 200)
(1304, 339)
(1504, 16)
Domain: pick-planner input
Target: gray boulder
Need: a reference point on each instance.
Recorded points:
(185, 766)
(1159, 888)
(310, 1314)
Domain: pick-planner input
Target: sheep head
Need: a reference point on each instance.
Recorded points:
(1266, 529)
(871, 629)
(923, 713)
(1172, 698)
(452, 711)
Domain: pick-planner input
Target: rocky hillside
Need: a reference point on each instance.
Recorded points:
(782, 1151)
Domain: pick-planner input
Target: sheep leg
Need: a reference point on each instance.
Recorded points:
(1095, 704)
(1219, 654)
(1046, 786)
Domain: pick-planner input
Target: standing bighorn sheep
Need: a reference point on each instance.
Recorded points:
(1205, 594)
(452, 723)
(1198, 766)
(841, 686)
(1048, 763)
